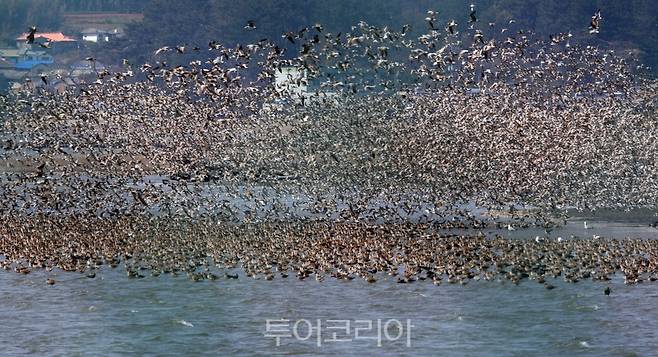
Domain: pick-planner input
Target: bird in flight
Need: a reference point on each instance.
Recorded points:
(472, 17)
(290, 36)
(30, 36)
(595, 23)
(451, 27)
(161, 49)
(431, 17)
(251, 25)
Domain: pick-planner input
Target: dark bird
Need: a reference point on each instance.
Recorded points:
(595, 23)
(251, 25)
(30, 36)
(40, 169)
(138, 197)
(478, 37)
(472, 17)
(290, 36)
(451, 27)
(44, 79)
(607, 290)
(431, 16)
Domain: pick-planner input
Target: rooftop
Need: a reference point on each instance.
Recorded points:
(50, 36)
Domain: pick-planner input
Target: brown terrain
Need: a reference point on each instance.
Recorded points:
(106, 21)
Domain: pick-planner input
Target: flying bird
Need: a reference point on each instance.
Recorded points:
(161, 49)
(595, 23)
(30, 36)
(451, 27)
(251, 25)
(431, 16)
(472, 17)
(290, 36)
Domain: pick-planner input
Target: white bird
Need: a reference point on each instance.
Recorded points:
(585, 225)
(185, 323)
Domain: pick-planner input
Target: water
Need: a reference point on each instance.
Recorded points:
(575, 228)
(113, 315)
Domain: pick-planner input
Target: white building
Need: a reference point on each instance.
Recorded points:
(95, 35)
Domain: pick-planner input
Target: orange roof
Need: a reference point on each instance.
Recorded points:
(51, 36)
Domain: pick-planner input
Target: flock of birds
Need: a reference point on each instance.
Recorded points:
(404, 253)
(349, 166)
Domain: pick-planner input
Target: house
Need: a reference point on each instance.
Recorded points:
(95, 35)
(25, 59)
(10, 56)
(117, 32)
(43, 37)
(32, 59)
(98, 35)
